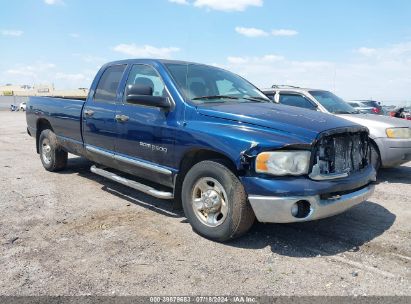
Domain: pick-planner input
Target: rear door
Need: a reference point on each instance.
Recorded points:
(99, 124)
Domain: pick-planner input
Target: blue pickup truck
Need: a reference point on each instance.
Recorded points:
(209, 140)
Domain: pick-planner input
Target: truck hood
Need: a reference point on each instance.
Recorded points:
(293, 120)
(376, 121)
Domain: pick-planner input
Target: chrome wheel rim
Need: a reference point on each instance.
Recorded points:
(209, 201)
(46, 151)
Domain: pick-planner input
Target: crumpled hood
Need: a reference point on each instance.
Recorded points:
(294, 120)
(376, 121)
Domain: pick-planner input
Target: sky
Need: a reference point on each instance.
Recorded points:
(357, 49)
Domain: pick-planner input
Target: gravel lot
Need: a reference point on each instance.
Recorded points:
(74, 233)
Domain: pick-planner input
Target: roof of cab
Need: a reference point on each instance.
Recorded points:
(148, 60)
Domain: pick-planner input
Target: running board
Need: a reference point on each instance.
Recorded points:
(132, 184)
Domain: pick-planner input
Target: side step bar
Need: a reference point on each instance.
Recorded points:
(133, 184)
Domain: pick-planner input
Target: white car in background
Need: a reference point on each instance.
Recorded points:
(390, 137)
(22, 106)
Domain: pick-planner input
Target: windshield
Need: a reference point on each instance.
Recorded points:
(333, 103)
(203, 84)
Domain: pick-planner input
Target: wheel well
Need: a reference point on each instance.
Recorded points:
(189, 160)
(42, 124)
(372, 141)
(193, 157)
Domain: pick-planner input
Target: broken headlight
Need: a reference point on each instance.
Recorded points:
(283, 162)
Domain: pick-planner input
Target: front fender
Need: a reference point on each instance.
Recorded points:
(237, 141)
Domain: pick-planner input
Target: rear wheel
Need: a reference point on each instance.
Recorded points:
(52, 157)
(214, 201)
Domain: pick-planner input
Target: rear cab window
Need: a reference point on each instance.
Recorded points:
(107, 86)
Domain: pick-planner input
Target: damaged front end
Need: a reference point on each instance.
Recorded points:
(338, 178)
(339, 154)
(335, 154)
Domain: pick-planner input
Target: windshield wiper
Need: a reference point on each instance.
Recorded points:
(215, 97)
(257, 98)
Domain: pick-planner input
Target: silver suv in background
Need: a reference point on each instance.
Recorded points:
(390, 137)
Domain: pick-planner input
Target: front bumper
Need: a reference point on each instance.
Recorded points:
(277, 209)
(272, 198)
(394, 152)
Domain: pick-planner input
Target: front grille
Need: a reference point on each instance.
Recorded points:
(340, 155)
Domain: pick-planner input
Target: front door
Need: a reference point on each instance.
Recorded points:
(145, 138)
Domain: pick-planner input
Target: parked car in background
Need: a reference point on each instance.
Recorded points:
(390, 137)
(375, 105)
(362, 108)
(22, 106)
(400, 112)
(209, 139)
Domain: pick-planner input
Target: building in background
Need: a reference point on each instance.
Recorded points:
(41, 90)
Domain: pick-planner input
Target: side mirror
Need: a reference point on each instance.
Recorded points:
(143, 95)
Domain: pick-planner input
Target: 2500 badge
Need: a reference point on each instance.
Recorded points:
(153, 147)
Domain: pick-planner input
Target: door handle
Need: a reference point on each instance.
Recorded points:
(89, 113)
(122, 118)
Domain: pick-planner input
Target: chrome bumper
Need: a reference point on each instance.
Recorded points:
(270, 209)
(394, 152)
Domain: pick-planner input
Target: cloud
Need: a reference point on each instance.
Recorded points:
(71, 77)
(221, 5)
(74, 35)
(250, 32)
(30, 70)
(284, 32)
(183, 2)
(13, 33)
(254, 60)
(54, 2)
(145, 51)
(383, 74)
(90, 58)
(366, 51)
(48, 73)
(255, 32)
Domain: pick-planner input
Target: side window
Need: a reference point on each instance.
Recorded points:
(145, 75)
(296, 101)
(108, 84)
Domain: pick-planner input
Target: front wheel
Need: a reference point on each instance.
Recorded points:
(52, 157)
(214, 201)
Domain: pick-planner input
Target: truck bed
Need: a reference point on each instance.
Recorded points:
(62, 113)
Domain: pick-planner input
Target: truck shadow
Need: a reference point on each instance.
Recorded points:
(345, 232)
(326, 237)
(81, 166)
(401, 175)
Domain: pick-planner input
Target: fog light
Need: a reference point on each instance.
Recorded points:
(301, 209)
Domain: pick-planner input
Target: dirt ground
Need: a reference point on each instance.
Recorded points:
(75, 233)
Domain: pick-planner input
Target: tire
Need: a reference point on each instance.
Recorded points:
(212, 180)
(375, 158)
(51, 156)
